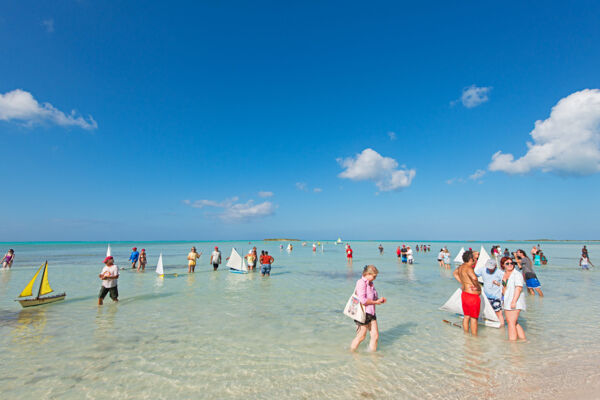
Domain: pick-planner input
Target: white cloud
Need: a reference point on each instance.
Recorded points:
(473, 96)
(20, 105)
(566, 143)
(236, 212)
(477, 174)
(370, 165)
(49, 25)
(265, 194)
(455, 180)
(392, 135)
(301, 186)
(317, 190)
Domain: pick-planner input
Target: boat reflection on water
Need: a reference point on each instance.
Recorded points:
(31, 327)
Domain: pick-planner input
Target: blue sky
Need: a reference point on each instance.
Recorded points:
(184, 112)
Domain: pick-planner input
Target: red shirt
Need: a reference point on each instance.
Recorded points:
(349, 252)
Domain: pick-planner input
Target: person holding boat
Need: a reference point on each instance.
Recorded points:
(109, 277)
(514, 301)
(471, 303)
(8, 259)
(368, 297)
(492, 286)
(133, 258)
(215, 258)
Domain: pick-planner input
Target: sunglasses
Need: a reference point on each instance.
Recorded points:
(508, 263)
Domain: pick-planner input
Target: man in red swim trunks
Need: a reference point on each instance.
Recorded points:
(470, 290)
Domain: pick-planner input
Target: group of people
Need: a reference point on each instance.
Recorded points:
(265, 260)
(503, 286)
(443, 258)
(405, 254)
(110, 272)
(138, 259)
(584, 260)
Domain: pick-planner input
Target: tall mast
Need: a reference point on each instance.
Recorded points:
(42, 279)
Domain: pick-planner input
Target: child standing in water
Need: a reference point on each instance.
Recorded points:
(584, 261)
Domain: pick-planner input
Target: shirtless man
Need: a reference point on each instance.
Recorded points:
(470, 290)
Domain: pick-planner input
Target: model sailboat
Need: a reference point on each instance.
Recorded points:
(42, 290)
(108, 252)
(487, 316)
(339, 241)
(160, 270)
(458, 258)
(236, 263)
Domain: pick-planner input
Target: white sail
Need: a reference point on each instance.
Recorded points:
(487, 316)
(458, 258)
(236, 261)
(483, 259)
(108, 253)
(159, 266)
(339, 241)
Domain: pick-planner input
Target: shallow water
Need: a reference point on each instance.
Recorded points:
(223, 335)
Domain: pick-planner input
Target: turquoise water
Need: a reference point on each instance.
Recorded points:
(223, 335)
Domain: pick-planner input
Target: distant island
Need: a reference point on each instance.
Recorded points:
(281, 240)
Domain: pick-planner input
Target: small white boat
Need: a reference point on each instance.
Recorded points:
(458, 259)
(108, 252)
(481, 261)
(160, 270)
(236, 263)
(487, 316)
(339, 241)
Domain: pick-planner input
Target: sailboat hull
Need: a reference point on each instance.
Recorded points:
(42, 300)
(237, 271)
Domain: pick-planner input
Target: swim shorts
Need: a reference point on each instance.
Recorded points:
(471, 304)
(114, 292)
(368, 319)
(496, 304)
(215, 266)
(533, 283)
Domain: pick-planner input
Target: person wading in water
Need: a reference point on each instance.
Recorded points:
(465, 275)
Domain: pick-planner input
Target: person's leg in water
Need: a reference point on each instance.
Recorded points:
(465, 323)
(500, 317)
(361, 334)
(102, 295)
(473, 326)
(511, 322)
(539, 291)
(374, 336)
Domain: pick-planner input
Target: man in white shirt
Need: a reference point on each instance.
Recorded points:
(215, 258)
(109, 276)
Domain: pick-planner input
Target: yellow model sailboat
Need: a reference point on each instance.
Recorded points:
(43, 289)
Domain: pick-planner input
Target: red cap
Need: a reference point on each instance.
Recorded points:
(143, 249)
(134, 249)
(107, 258)
(216, 247)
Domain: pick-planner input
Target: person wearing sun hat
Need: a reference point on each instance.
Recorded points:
(215, 258)
(133, 258)
(109, 277)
